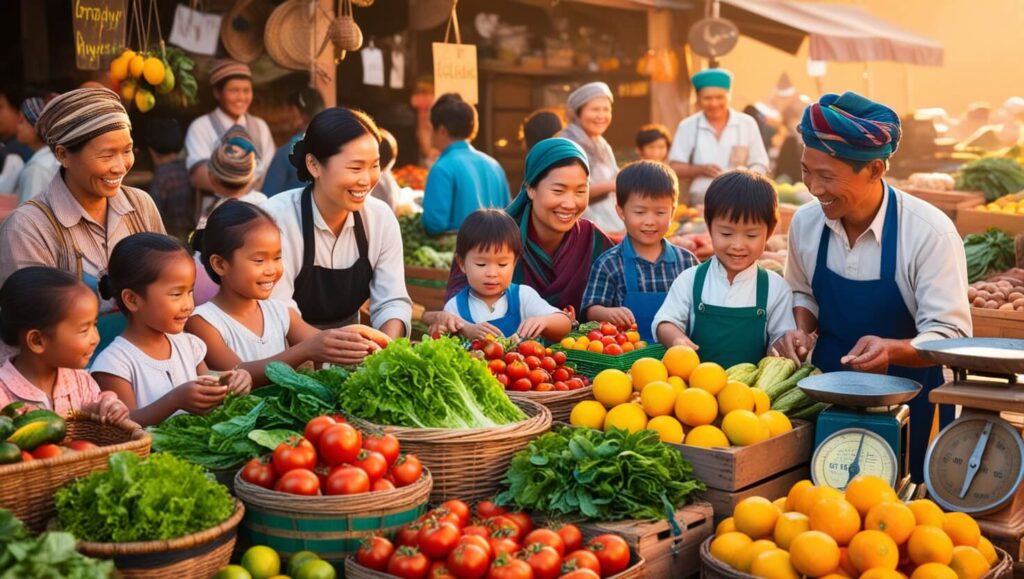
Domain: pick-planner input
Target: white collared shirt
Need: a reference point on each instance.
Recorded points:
(36, 175)
(931, 268)
(389, 298)
(696, 135)
(531, 305)
(741, 293)
(201, 139)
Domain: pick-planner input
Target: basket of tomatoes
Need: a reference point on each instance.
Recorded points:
(595, 346)
(450, 541)
(328, 489)
(530, 371)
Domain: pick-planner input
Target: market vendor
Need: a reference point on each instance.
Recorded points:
(716, 139)
(85, 210)
(871, 267)
(559, 245)
(339, 245)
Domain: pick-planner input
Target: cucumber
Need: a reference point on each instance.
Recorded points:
(744, 372)
(810, 412)
(35, 416)
(11, 410)
(774, 391)
(774, 370)
(9, 453)
(33, 434)
(791, 401)
(6, 427)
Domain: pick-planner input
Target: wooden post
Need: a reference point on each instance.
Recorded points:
(34, 42)
(665, 100)
(328, 87)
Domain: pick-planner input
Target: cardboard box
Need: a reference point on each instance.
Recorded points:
(724, 502)
(997, 323)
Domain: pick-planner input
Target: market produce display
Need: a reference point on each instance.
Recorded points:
(819, 531)
(993, 176)
(49, 555)
(412, 176)
(435, 383)
(527, 365)
(140, 76)
(988, 253)
(162, 497)
(605, 476)
(1007, 204)
(604, 338)
(262, 562)
(425, 250)
(933, 181)
(1004, 291)
(449, 542)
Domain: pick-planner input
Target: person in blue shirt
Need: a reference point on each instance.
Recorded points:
(303, 105)
(463, 179)
(629, 282)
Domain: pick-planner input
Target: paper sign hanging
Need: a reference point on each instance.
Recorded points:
(397, 69)
(455, 64)
(99, 28)
(373, 66)
(195, 31)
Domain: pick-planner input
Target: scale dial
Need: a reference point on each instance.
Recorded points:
(851, 452)
(975, 465)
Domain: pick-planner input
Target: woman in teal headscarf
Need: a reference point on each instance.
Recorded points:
(559, 246)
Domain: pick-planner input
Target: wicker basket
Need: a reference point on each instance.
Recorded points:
(26, 488)
(354, 570)
(469, 463)
(590, 364)
(197, 555)
(559, 403)
(330, 526)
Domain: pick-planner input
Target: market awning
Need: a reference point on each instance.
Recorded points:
(838, 33)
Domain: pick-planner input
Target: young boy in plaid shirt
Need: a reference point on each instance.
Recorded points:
(629, 282)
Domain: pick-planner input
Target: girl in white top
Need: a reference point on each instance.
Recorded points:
(242, 327)
(154, 368)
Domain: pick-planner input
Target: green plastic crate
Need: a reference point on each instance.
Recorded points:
(590, 364)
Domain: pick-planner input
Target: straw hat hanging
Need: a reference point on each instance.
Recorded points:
(289, 32)
(241, 29)
(343, 33)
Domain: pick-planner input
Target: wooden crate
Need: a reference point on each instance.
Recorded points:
(786, 212)
(733, 469)
(974, 221)
(997, 323)
(1008, 536)
(950, 202)
(664, 554)
(426, 286)
(724, 502)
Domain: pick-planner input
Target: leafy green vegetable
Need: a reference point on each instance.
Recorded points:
(988, 253)
(604, 476)
(433, 384)
(163, 497)
(415, 239)
(48, 556)
(994, 176)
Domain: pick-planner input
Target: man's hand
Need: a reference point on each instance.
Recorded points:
(795, 345)
(869, 354)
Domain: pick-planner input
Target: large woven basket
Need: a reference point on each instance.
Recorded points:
(197, 555)
(469, 463)
(559, 403)
(26, 488)
(293, 32)
(330, 526)
(354, 570)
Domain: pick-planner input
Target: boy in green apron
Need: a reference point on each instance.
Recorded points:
(729, 308)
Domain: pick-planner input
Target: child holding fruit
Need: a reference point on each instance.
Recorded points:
(629, 282)
(487, 248)
(729, 307)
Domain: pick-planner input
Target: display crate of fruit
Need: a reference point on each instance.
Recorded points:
(426, 286)
(594, 347)
(1006, 213)
(997, 305)
(723, 502)
(949, 201)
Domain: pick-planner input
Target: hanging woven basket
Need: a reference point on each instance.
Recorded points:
(343, 33)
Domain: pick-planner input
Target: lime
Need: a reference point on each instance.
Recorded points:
(232, 572)
(316, 570)
(299, 559)
(261, 562)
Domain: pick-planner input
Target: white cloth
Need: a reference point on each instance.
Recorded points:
(696, 136)
(36, 175)
(152, 379)
(741, 293)
(9, 173)
(248, 346)
(603, 168)
(531, 305)
(201, 139)
(389, 298)
(931, 268)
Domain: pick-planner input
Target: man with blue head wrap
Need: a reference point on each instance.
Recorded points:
(872, 269)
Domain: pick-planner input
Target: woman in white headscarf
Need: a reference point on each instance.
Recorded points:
(590, 113)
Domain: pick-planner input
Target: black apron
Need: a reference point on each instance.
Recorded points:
(330, 298)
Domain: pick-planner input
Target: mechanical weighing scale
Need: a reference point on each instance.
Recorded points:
(976, 464)
(866, 431)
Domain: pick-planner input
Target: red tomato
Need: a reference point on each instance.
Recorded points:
(436, 540)
(545, 387)
(503, 526)
(503, 546)
(469, 561)
(612, 553)
(548, 363)
(503, 380)
(560, 375)
(259, 472)
(459, 508)
(373, 463)
(560, 357)
(570, 370)
(26, 456)
(580, 574)
(340, 444)
(47, 451)
(545, 561)
(347, 480)
(621, 339)
(409, 563)
(545, 537)
(407, 470)
(439, 570)
(523, 521)
(296, 452)
(493, 351)
(477, 530)
(508, 567)
(571, 536)
(487, 509)
(613, 350)
(608, 340)
(531, 348)
(408, 535)
(513, 357)
(522, 385)
(477, 540)
(339, 419)
(382, 484)
(517, 370)
(322, 472)
(574, 383)
(609, 329)
(533, 362)
(496, 366)
(561, 386)
(81, 445)
(385, 444)
(581, 559)
(374, 553)
(443, 515)
(316, 427)
(595, 336)
(299, 481)
(539, 376)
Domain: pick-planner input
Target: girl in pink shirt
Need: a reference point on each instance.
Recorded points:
(50, 315)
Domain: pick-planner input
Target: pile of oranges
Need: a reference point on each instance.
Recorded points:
(140, 77)
(866, 532)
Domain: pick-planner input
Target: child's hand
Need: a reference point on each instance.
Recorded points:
(238, 381)
(445, 323)
(110, 409)
(340, 347)
(685, 341)
(200, 395)
(532, 327)
(480, 331)
(621, 317)
(795, 345)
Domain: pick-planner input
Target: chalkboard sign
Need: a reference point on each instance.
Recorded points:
(99, 27)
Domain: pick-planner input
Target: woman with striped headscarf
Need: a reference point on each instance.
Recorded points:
(42, 165)
(85, 210)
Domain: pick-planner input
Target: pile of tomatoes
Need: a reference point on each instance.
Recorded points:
(448, 543)
(44, 451)
(334, 458)
(528, 366)
(605, 338)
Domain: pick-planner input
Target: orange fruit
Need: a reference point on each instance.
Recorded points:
(695, 407)
(814, 553)
(813, 496)
(628, 347)
(647, 370)
(836, 518)
(927, 513)
(846, 566)
(988, 551)
(755, 517)
(762, 403)
(780, 503)
(153, 70)
(834, 576)
(968, 563)
(866, 491)
(595, 347)
(893, 519)
(882, 573)
(930, 544)
(795, 492)
(708, 376)
(873, 550)
(680, 361)
(747, 556)
(788, 527)
(933, 571)
(706, 436)
(727, 548)
(962, 529)
(774, 564)
(727, 525)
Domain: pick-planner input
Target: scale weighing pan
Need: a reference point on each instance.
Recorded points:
(992, 355)
(859, 389)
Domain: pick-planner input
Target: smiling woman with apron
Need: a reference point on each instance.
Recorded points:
(340, 246)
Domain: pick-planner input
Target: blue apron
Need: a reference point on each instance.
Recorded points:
(851, 309)
(508, 324)
(644, 305)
